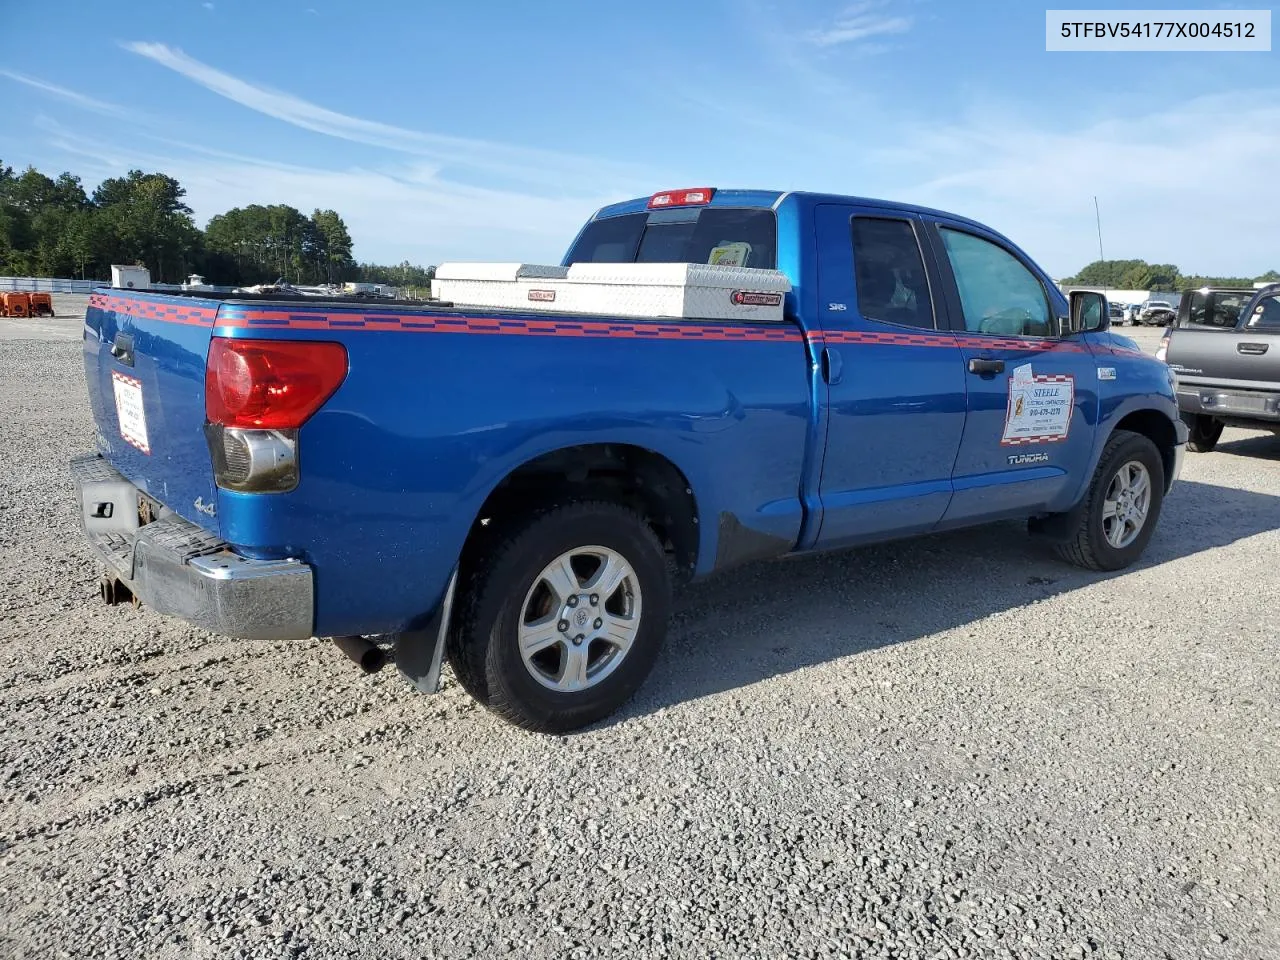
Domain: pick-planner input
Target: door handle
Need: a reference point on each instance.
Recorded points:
(1252, 349)
(122, 348)
(832, 365)
(978, 365)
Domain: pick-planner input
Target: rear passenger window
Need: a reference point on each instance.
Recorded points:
(1266, 315)
(889, 273)
(997, 293)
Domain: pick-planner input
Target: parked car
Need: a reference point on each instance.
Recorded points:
(1132, 311)
(710, 377)
(1156, 313)
(1116, 312)
(1225, 350)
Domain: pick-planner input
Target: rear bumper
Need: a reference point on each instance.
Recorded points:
(1237, 404)
(181, 570)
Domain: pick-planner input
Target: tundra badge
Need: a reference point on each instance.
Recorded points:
(1021, 458)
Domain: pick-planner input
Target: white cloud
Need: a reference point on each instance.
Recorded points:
(394, 213)
(70, 96)
(1186, 185)
(859, 22)
(419, 203)
(510, 162)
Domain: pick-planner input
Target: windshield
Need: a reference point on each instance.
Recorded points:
(732, 236)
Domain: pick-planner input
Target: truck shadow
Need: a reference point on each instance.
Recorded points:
(767, 619)
(1263, 447)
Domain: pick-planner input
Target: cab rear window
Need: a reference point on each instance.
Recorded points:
(742, 237)
(1218, 310)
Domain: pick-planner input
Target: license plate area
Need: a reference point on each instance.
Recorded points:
(130, 413)
(109, 507)
(1239, 403)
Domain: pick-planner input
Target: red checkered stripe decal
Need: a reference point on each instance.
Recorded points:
(185, 313)
(1043, 438)
(239, 317)
(886, 339)
(944, 338)
(512, 326)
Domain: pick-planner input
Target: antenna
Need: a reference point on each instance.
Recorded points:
(1098, 217)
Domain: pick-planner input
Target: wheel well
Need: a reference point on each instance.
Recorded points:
(641, 479)
(1157, 428)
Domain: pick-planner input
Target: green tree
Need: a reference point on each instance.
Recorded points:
(1140, 275)
(333, 246)
(82, 240)
(145, 220)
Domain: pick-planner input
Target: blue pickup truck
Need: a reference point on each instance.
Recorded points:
(519, 490)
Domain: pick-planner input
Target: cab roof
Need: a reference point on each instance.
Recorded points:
(773, 198)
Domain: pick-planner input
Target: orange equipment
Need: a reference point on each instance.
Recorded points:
(41, 305)
(17, 304)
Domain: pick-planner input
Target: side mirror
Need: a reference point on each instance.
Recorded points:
(1088, 312)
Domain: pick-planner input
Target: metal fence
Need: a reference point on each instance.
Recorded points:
(51, 284)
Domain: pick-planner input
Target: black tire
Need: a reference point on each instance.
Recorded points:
(1203, 433)
(1086, 543)
(483, 647)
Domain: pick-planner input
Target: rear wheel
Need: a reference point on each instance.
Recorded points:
(1203, 433)
(1121, 509)
(563, 619)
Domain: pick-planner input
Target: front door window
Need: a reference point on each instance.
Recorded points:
(998, 294)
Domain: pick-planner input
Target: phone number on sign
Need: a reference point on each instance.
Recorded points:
(1162, 28)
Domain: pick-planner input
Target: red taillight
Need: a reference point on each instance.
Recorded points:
(682, 198)
(270, 384)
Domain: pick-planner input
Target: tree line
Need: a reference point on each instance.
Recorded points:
(1140, 275)
(55, 228)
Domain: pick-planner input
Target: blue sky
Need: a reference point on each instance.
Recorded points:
(490, 130)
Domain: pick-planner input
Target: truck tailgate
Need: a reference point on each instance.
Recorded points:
(144, 361)
(1235, 358)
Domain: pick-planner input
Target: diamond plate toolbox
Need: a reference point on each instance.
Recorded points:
(671, 290)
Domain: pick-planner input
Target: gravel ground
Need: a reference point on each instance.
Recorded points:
(953, 747)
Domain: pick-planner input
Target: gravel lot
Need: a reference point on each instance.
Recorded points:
(953, 747)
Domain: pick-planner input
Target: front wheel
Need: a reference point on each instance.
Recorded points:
(1121, 508)
(1203, 433)
(563, 620)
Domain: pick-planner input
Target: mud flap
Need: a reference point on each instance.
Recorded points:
(1057, 527)
(419, 654)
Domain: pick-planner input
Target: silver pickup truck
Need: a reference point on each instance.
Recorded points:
(1224, 348)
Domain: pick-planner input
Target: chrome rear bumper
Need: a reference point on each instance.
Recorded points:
(181, 570)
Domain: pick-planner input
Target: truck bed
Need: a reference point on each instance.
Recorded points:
(399, 460)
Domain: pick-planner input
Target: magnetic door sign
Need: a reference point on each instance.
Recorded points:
(129, 410)
(1039, 409)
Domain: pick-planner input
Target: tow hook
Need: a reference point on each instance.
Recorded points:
(363, 651)
(114, 592)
